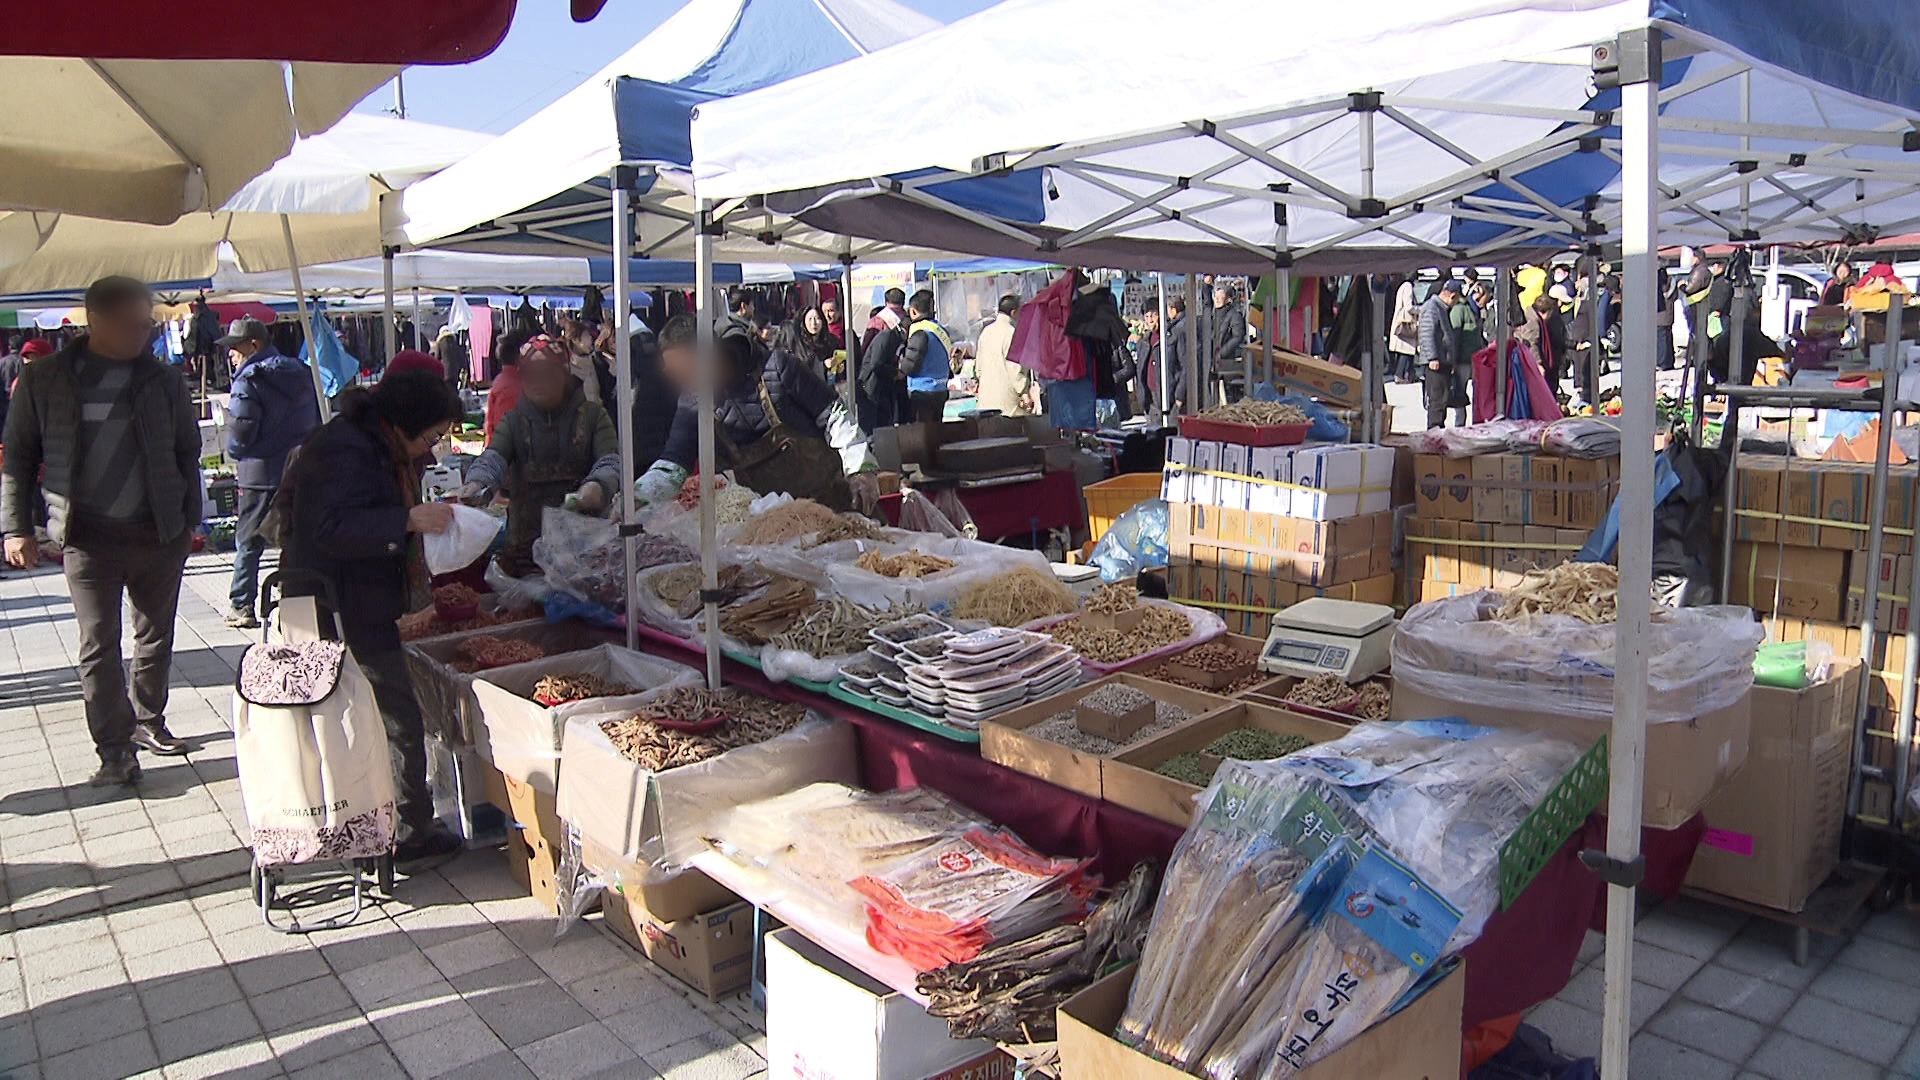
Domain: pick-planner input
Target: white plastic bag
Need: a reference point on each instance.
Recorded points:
(1699, 659)
(468, 538)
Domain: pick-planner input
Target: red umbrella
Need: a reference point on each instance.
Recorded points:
(340, 31)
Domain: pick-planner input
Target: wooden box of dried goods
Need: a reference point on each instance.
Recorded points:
(1420, 1042)
(654, 817)
(443, 668)
(1041, 739)
(1362, 703)
(1133, 777)
(523, 708)
(1116, 714)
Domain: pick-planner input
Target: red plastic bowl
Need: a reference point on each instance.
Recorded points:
(1194, 427)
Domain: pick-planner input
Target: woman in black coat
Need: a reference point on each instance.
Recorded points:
(353, 518)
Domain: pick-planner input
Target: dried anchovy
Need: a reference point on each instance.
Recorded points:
(750, 718)
(1159, 628)
(427, 623)
(489, 651)
(847, 527)
(578, 686)
(756, 621)
(837, 627)
(1112, 599)
(1247, 411)
(911, 564)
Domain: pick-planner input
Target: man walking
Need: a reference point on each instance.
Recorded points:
(119, 439)
(272, 409)
(1435, 350)
(1005, 387)
(1229, 340)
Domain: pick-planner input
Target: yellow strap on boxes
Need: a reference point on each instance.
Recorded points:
(1441, 541)
(1797, 519)
(1224, 606)
(1361, 490)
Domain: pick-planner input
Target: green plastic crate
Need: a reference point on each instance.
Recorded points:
(1562, 812)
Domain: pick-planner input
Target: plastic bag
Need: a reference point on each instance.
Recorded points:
(471, 533)
(1700, 659)
(1492, 437)
(514, 593)
(1327, 427)
(1136, 541)
(583, 556)
(918, 514)
(974, 562)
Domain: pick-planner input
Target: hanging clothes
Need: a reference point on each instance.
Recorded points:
(1040, 334)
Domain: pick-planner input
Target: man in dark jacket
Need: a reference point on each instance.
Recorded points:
(1435, 350)
(1229, 335)
(118, 437)
(273, 407)
(1174, 346)
(881, 386)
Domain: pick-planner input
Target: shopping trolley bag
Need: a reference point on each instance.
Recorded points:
(312, 751)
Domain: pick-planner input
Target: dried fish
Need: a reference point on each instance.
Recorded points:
(756, 621)
(848, 526)
(911, 564)
(838, 627)
(577, 686)
(744, 718)
(1248, 411)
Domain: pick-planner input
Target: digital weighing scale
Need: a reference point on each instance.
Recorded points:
(1320, 635)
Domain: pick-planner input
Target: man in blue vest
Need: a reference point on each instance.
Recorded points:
(928, 361)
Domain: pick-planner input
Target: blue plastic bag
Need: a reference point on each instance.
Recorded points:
(338, 368)
(1326, 426)
(1136, 541)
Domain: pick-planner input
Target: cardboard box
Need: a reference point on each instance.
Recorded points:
(1762, 482)
(1235, 459)
(1443, 487)
(1129, 780)
(1176, 485)
(1799, 498)
(1004, 741)
(1844, 493)
(1342, 481)
(1335, 384)
(1546, 502)
(1806, 582)
(1206, 459)
(1687, 763)
(1892, 586)
(535, 840)
(711, 952)
(1773, 832)
(641, 816)
(827, 1020)
(522, 738)
(1587, 489)
(1420, 1042)
(1490, 490)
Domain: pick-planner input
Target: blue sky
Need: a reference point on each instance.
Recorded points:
(545, 55)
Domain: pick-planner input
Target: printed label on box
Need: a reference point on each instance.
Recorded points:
(1739, 844)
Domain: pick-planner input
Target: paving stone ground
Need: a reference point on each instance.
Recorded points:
(129, 945)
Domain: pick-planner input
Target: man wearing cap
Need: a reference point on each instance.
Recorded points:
(1435, 350)
(272, 409)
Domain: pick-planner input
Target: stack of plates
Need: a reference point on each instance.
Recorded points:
(989, 672)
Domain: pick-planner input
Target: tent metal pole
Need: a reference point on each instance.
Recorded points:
(1499, 374)
(1502, 321)
(1278, 325)
(622, 182)
(306, 320)
(846, 328)
(386, 281)
(1163, 405)
(1373, 375)
(1876, 545)
(1903, 726)
(1193, 341)
(1623, 864)
(419, 336)
(709, 527)
(1590, 382)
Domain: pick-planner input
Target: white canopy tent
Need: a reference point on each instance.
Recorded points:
(1376, 135)
(150, 140)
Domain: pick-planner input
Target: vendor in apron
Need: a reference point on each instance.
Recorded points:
(553, 448)
(772, 413)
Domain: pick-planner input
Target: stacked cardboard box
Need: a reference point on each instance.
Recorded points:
(1447, 558)
(1882, 675)
(1806, 582)
(1825, 504)
(1892, 586)
(1253, 530)
(1516, 489)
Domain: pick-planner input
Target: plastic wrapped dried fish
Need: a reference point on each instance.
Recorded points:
(838, 627)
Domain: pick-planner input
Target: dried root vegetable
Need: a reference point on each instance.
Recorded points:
(427, 623)
(912, 564)
(837, 627)
(1257, 412)
(848, 526)
(743, 719)
(756, 621)
(577, 686)
(1161, 627)
(1112, 599)
(788, 521)
(1375, 701)
(1323, 691)
(1585, 591)
(1015, 598)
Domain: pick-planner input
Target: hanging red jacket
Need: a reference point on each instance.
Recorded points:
(1541, 404)
(1040, 341)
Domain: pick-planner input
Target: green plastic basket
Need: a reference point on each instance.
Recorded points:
(1564, 810)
